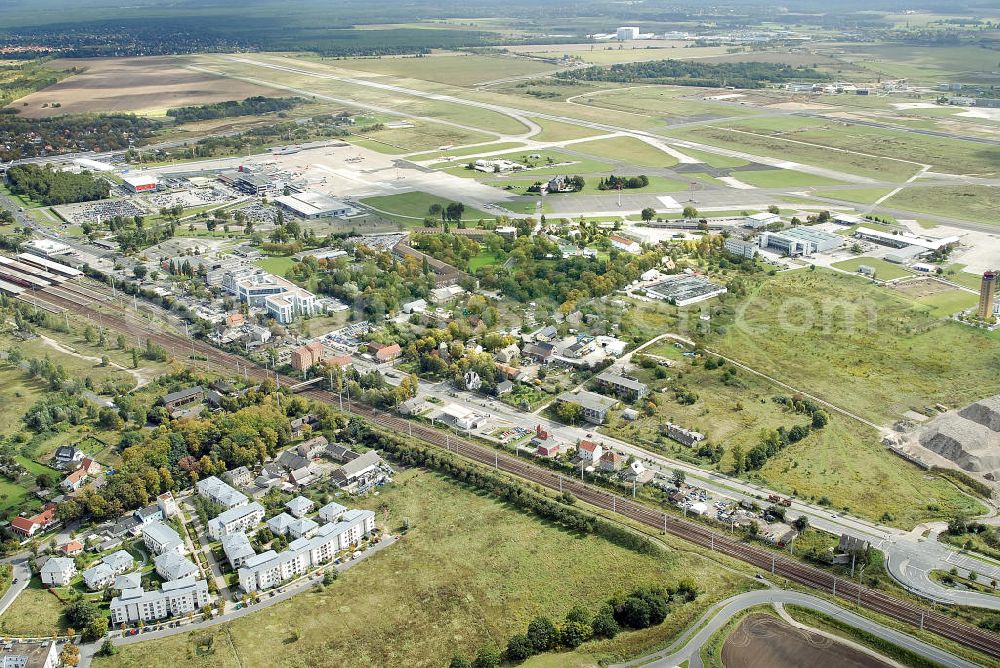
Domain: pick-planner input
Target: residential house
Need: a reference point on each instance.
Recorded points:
(172, 566)
(26, 527)
(550, 449)
(219, 492)
(687, 437)
(311, 447)
(99, 577)
(73, 481)
(386, 353)
(119, 561)
(127, 581)
(589, 452)
(239, 477)
(361, 474)
(57, 571)
(237, 548)
(302, 527)
(340, 453)
(174, 599)
(508, 354)
(332, 512)
(279, 524)
(167, 504)
(594, 407)
(504, 387)
(540, 353)
(612, 461)
(160, 538)
(151, 513)
(67, 457)
(238, 518)
(72, 548)
(292, 460)
(300, 506)
(270, 568)
(299, 424)
(623, 386)
(638, 473)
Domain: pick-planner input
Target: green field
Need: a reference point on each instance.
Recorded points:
(976, 203)
(843, 461)
(927, 64)
(857, 195)
(782, 178)
(469, 150)
(626, 149)
(829, 334)
(759, 142)
(485, 571)
(35, 612)
(277, 265)
(885, 271)
(449, 68)
(411, 208)
(484, 259)
(558, 131)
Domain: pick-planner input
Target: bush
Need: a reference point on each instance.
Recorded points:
(519, 648)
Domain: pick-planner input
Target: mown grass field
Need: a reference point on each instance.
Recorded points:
(832, 334)
(976, 203)
(783, 178)
(558, 131)
(448, 68)
(411, 208)
(484, 572)
(627, 149)
(277, 265)
(666, 103)
(857, 195)
(843, 461)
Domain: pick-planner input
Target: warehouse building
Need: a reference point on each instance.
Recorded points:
(310, 205)
(684, 290)
(800, 241)
(141, 183)
(902, 239)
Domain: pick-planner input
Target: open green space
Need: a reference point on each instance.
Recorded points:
(858, 195)
(485, 572)
(484, 259)
(627, 149)
(976, 203)
(925, 63)
(467, 150)
(713, 159)
(783, 178)
(801, 149)
(665, 103)
(843, 461)
(36, 611)
(411, 208)
(276, 265)
(884, 271)
(459, 69)
(558, 131)
(829, 334)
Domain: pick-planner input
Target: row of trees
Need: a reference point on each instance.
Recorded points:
(251, 106)
(644, 607)
(743, 74)
(623, 182)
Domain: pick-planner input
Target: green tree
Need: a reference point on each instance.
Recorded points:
(690, 212)
(459, 662)
(487, 657)
(518, 648)
(648, 214)
(542, 634)
(604, 624)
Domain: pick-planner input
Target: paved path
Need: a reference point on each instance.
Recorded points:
(22, 575)
(688, 646)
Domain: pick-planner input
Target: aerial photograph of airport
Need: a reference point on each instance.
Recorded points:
(436, 334)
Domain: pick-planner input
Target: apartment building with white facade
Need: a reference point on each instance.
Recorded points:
(174, 598)
(236, 520)
(219, 492)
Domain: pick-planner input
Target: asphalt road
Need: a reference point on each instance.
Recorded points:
(688, 646)
(22, 574)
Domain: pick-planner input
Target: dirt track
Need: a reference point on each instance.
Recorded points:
(762, 641)
(143, 85)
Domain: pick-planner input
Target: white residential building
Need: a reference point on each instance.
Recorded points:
(58, 571)
(30, 655)
(175, 598)
(99, 577)
(239, 518)
(300, 506)
(302, 528)
(219, 492)
(172, 566)
(279, 524)
(270, 568)
(237, 548)
(160, 538)
(332, 512)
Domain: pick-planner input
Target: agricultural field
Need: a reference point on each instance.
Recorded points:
(624, 52)
(146, 86)
(485, 571)
(924, 64)
(884, 271)
(827, 333)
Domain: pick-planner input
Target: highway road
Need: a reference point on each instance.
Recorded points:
(688, 646)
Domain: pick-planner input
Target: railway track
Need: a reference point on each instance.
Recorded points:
(766, 560)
